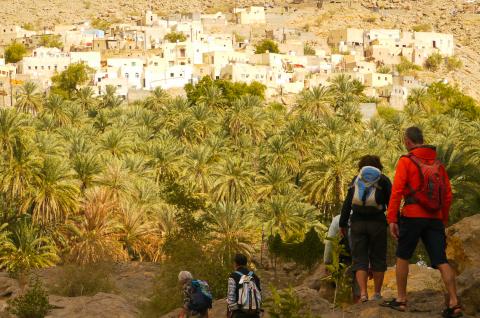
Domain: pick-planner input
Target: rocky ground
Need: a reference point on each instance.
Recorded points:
(134, 283)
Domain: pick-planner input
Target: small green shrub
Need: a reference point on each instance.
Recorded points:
(384, 69)
(286, 304)
(371, 19)
(86, 280)
(33, 304)
(422, 28)
(28, 26)
(174, 37)
(434, 62)
(308, 50)
(405, 66)
(267, 45)
(15, 52)
(453, 63)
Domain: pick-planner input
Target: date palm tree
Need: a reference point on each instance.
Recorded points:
(316, 101)
(85, 98)
(94, 236)
(26, 248)
(54, 193)
(233, 181)
(12, 127)
(231, 230)
(28, 99)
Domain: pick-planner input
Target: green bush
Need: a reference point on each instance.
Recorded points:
(308, 50)
(307, 252)
(33, 304)
(422, 28)
(453, 63)
(28, 26)
(286, 304)
(384, 69)
(405, 66)
(15, 52)
(174, 37)
(434, 62)
(101, 24)
(267, 45)
(51, 40)
(86, 280)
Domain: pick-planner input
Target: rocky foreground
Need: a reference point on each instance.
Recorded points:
(134, 281)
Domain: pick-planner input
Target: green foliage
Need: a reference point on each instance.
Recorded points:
(453, 63)
(339, 273)
(422, 28)
(26, 248)
(238, 37)
(33, 304)
(388, 113)
(286, 304)
(86, 280)
(226, 91)
(266, 45)
(68, 82)
(308, 50)
(28, 26)
(51, 40)
(384, 69)
(100, 24)
(308, 252)
(406, 67)
(15, 52)
(447, 99)
(174, 37)
(433, 62)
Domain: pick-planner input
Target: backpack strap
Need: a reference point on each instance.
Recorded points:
(250, 274)
(239, 273)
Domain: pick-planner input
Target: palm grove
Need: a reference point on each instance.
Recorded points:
(89, 179)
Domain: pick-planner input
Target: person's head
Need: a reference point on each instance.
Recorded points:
(184, 277)
(240, 260)
(372, 161)
(413, 137)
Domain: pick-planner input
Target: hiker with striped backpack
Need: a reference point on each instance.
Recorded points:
(244, 296)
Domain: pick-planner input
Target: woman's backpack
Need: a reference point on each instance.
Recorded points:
(249, 296)
(365, 191)
(201, 297)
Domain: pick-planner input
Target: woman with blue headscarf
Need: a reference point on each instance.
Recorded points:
(364, 212)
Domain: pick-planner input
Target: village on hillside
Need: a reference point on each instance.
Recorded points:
(170, 52)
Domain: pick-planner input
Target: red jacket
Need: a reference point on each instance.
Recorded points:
(408, 173)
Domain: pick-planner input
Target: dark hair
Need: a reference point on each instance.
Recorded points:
(369, 160)
(415, 135)
(240, 260)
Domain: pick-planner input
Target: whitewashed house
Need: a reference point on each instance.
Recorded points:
(251, 15)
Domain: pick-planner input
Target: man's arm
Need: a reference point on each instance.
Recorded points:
(232, 295)
(448, 199)
(346, 209)
(399, 184)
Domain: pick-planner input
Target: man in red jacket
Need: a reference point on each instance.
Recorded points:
(412, 216)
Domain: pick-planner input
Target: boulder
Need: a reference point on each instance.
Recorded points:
(8, 286)
(463, 242)
(312, 301)
(469, 290)
(98, 306)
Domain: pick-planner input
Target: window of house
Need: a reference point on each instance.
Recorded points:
(126, 75)
(137, 75)
(36, 67)
(29, 67)
(156, 63)
(134, 63)
(172, 74)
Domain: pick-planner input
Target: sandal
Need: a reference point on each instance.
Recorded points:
(363, 299)
(396, 305)
(453, 312)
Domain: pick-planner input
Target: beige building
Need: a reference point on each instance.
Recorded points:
(351, 37)
(251, 15)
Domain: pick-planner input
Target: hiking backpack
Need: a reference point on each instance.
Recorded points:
(201, 298)
(431, 193)
(364, 196)
(249, 296)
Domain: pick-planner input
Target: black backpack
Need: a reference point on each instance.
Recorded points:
(201, 297)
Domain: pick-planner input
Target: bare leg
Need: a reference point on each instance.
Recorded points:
(402, 276)
(362, 277)
(448, 276)
(378, 281)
